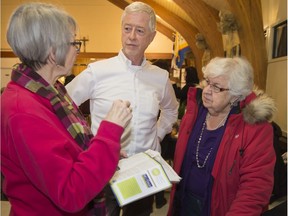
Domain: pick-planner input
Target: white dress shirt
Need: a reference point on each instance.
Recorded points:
(148, 89)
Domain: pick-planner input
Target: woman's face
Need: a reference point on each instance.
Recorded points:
(71, 58)
(73, 50)
(216, 95)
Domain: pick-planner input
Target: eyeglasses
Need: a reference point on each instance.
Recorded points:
(77, 45)
(214, 87)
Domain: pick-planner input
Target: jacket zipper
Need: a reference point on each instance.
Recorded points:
(230, 170)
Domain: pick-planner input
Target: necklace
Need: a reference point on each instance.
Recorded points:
(200, 138)
(197, 149)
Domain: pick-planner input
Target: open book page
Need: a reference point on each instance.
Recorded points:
(139, 176)
(172, 175)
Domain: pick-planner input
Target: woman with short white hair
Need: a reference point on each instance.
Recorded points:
(224, 151)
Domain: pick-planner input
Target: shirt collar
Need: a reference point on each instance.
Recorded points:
(128, 62)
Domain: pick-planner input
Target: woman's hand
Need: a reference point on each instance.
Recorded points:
(123, 154)
(120, 113)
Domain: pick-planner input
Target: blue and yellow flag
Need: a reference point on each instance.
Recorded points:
(180, 48)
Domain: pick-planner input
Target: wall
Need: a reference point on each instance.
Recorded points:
(6, 65)
(274, 12)
(99, 20)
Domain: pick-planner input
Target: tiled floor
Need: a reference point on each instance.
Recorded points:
(277, 202)
(5, 207)
(163, 211)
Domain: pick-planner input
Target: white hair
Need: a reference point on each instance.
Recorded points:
(238, 71)
(36, 28)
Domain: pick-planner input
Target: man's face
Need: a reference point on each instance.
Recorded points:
(136, 36)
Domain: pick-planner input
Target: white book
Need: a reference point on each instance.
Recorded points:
(142, 175)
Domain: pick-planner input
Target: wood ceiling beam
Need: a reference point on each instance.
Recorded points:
(160, 27)
(165, 31)
(248, 14)
(187, 31)
(205, 18)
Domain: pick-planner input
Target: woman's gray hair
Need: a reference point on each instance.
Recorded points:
(141, 7)
(238, 71)
(35, 29)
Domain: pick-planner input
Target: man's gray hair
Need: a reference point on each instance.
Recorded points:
(142, 7)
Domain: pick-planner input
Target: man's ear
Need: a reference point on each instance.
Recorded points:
(153, 34)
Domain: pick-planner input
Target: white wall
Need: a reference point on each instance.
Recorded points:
(274, 12)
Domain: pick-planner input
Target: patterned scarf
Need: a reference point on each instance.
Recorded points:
(64, 107)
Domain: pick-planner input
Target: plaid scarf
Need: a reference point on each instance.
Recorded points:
(64, 107)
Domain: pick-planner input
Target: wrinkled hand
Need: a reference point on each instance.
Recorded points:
(123, 154)
(120, 113)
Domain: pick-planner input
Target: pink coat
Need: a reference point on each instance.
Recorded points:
(244, 164)
(45, 171)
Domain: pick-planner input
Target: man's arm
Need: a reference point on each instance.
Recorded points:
(79, 88)
(169, 111)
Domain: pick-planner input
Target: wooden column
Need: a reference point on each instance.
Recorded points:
(248, 14)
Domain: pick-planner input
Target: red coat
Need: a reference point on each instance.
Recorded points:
(244, 164)
(45, 170)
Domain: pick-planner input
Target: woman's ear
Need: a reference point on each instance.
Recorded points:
(235, 100)
(51, 58)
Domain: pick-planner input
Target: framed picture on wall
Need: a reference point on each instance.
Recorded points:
(280, 40)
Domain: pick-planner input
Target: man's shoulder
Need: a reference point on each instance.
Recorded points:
(157, 71)
(102, 67)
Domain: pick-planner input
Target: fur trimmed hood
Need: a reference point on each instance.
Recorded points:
(257, 107)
